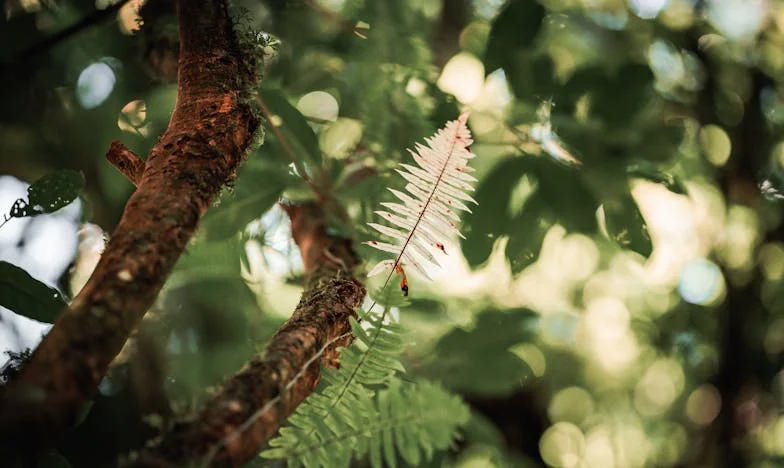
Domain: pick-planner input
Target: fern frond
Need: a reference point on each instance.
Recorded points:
(413, 420)
(426, 218)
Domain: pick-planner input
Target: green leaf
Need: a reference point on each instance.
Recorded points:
(531, 77)
(405, 418)
(52, 459)
(49, 193)
(619, 99)
(293, 126)
(456, 363)
(513, 30)
(255, 193)
(27, 296)
(527, 233)
(649, 171)
(615, 98)
(490, 218)
(626, 226)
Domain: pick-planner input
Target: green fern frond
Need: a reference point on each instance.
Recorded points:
(411, 419)
(372, 359)
(390, 296)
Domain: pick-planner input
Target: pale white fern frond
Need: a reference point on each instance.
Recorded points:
(427, 216)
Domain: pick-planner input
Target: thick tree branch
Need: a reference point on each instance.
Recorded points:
(205, 142)
(251, 406)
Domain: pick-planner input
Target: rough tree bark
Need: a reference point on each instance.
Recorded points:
(250, 407)
(206, 140)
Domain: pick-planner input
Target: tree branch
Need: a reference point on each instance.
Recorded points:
(205, 142)
(251, 406)
(126, 161)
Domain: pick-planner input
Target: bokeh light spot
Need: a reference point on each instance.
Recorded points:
(562, 445)
(716, 144)
(463, 76)
(703, 405)
(572, 404)
(701, 282)
(95, 84)
(647, 9)
(319, 105)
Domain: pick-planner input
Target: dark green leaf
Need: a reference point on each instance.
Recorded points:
(531, 77)
(50, 193)
(527, 233)
(52, 459)
(27, 296)
(491, 217)
(293, 126)
(649, 171)
(626, 226)
(494, 333)
(242, 206)
(615, 98)
(621, 97)
(513, 30)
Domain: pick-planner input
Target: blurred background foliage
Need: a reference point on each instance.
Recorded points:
(617, 299)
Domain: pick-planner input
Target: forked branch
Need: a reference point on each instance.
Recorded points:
(205, 142)
(251, 405)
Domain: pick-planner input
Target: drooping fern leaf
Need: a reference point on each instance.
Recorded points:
(426, 218)
(410, 419)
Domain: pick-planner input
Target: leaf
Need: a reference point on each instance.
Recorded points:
(255, 193)
(426, 219)
(649, 171)
(626, 226)
(615, 98)
(293, 126)
(620, 98)
(531, 77)
(491, 217)
(456, 363)
(513, 29)
(52, 459)
(25, 295)
(49, 193)
(526, 233)
(561, 197)
(405, 419)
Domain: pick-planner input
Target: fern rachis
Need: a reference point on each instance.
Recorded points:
(426, 217)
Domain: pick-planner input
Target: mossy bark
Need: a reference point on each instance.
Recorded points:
(205, 142)
(251, 406)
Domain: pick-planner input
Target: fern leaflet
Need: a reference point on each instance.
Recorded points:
(413, 420)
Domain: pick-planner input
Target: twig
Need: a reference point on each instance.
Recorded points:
(126, 161)
(284, 143)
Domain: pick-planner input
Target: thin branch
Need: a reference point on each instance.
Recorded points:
(204, 144)
(284, 143)
(126, 161)
(251, 406)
